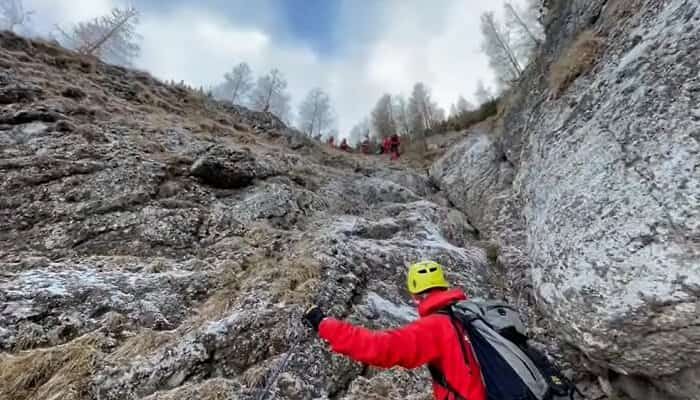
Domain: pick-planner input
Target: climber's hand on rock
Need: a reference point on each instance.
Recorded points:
(313, 317)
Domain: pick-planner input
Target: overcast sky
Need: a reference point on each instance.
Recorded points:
(354, 49)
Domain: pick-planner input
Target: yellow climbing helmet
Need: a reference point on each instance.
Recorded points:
(425, 275)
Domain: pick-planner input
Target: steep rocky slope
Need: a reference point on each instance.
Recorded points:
(156, 245)
(594, 177)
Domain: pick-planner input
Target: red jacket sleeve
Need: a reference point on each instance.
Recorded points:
(410, 346)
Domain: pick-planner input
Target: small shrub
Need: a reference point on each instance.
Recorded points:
(578, 60)
(470, 118)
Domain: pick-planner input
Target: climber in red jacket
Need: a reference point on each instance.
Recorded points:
(431, 340)
(394, 146)
(386, 146)
(344, 145)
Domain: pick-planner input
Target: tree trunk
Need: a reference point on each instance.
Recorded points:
(92, 48)
(506, 48)
(267, 100)
(522, 24)
(234, 95)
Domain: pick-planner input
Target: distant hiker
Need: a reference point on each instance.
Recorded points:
(331, 141)
(365, 146)
(431, 340)
(394, 146)
(386, 145)
(344, 145)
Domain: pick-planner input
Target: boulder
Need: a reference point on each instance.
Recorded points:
(228, 168)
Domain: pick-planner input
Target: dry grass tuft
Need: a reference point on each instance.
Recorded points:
(291, 280)
(414, 148)
(29, 335)
(491, 248)
(60, 372)
(299, 277)
(578, 60)
(254, 376)
(220, 302)
(212, 389)
(419, 152)
(144, 342)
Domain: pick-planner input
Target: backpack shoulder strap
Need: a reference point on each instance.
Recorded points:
(460, 335)
(439, 378)
(435, 372)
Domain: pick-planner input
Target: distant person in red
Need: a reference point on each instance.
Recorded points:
(331, 141)
(365, 145)
(385, 146)
(344, 145)
(394, 146)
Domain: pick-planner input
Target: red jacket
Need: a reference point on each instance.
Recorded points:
(431, 340)
(394, 140)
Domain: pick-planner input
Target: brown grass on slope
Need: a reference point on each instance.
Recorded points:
(60, 372)
(578, 60)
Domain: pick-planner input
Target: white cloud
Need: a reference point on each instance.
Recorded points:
(434, 42)
(51, 12)
(387, 47)
(195, 46)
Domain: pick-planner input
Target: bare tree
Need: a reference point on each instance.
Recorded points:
(400, 113)
(13, 15)
(464, 105)
(237, 84)
(453, 110)
(383, 117)
(524, 25)
(359, 132)
(483, 93)
(461, 106)
(316, 113)
(112, 37)
(528, 28)
(498, 46)
(270, 95)
(281, 107)
(437, 113)
(421, 109)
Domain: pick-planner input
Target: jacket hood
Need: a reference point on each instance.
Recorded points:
(438, 300)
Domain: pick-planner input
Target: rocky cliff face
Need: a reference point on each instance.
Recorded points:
(600, 180)
(157, 245)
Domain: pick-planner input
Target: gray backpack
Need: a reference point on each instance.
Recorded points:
(511, 369)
